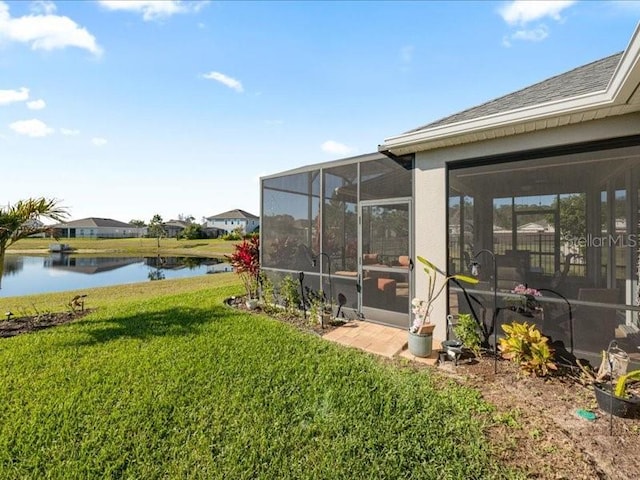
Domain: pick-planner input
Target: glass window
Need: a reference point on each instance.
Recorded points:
(290, 217)
(385, 178)
(566, 226)
(340, 218)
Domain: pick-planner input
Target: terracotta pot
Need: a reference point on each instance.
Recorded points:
(425, 329)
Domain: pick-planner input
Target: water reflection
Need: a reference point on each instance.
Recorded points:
(12, 265)
(25, 275)
(87, 265)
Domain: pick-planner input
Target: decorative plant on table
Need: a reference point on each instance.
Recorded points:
(422, 308)
(526, 301)
(246, 262)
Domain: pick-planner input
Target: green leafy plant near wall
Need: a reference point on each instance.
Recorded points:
(525, 345)
(290, 294)
(466, 329)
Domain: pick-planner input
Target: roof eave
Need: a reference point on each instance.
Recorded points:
(620, 92)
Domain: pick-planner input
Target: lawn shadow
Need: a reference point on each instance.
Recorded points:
(145, 325)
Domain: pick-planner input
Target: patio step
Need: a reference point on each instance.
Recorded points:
(378, 339)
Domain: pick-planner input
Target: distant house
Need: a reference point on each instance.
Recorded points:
(234, 219)
(93, 227)
(173, 228)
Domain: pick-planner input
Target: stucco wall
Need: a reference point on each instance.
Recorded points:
(430, 226)
(430, 186)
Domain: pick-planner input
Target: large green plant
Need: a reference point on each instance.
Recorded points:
(526, 346)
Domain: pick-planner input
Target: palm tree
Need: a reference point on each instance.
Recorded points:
(21, 220)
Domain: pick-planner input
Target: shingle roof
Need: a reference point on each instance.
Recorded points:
(237, 213)
(589, 78)
(93, 222)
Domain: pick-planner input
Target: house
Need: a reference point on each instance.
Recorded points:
(173, 228)
(94, 227)
(565, 151)
(233, 220)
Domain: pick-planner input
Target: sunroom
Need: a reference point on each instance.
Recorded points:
(538, 189)
(344, 228)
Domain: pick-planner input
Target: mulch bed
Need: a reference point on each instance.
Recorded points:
(18, 325)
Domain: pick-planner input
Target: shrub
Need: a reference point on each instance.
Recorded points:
(467, 332)
(290, 293)
(246, 262)
(525, 345)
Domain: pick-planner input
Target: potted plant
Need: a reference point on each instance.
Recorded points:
(421, 330)
(621, 403)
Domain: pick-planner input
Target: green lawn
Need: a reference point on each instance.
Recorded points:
(170, 383)
(130, 246)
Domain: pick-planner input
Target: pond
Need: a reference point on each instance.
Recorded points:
(56, 272)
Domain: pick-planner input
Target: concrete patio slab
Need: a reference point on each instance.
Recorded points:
(378, 339)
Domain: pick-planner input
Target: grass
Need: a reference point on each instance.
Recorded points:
(164, 381)
(129, 246)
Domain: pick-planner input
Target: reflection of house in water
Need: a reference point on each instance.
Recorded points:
(177, 263)
(87, 265)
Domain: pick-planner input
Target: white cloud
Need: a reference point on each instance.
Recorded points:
(534, 35)
(31, 128)
(225, 80)
(336, 148)
(46, 31)
(98, 141)
(521, 12)
(11, 96)
(69, 132)
(43, 6)
(153, 9)
(36, 104)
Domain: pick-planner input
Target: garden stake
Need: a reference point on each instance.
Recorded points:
(612, 344)
(304, 303)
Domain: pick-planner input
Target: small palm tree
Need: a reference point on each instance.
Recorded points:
(21, 220)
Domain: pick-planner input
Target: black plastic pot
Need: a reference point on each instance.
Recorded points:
(618, 406)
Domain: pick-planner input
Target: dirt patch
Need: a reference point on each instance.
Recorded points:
(16, 326)
(537, 425)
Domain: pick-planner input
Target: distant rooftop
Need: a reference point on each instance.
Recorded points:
(233, 214)
(93, 222)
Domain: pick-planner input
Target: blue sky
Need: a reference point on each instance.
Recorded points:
(128, 109)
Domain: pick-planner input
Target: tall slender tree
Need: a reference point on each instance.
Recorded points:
(22, 219)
